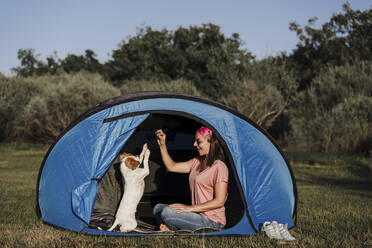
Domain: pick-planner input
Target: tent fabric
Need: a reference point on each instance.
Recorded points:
(78, 159)
(68, 186)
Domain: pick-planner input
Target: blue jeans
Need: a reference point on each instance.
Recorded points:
(182, 221)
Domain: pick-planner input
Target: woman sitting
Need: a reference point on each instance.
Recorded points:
(208, 179)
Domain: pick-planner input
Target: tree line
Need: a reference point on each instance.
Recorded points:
(309, 99)
(201, 54)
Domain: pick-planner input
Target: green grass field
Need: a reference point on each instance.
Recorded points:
(334, 207)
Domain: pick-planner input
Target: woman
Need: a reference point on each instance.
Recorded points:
(208, 181)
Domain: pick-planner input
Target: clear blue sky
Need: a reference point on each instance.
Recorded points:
(72, 26)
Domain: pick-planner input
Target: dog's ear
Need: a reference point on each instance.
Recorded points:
(132, 163)
(122, 156)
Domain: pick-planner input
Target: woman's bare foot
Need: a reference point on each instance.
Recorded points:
(163, 227)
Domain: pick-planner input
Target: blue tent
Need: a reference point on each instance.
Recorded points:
(262, 184)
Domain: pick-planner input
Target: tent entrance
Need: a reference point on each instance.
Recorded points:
(160, 186)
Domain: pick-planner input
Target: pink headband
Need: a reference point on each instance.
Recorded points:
(205, 131)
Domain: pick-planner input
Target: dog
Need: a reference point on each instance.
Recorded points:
(133, 188)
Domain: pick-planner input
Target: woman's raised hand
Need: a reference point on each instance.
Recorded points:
(160, 137)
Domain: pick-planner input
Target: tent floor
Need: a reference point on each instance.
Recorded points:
(145, 228)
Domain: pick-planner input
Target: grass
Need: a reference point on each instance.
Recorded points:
(334, 207)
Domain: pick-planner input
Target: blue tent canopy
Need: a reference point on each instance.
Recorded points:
(69, 175)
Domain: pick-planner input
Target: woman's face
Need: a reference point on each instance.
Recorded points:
(202, 144)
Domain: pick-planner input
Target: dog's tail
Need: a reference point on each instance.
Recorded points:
(113, 226)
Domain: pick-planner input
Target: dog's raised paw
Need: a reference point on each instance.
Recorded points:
(147, 153)
(145, 147)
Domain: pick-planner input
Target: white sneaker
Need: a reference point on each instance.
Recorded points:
(272, 230)
(286, 235)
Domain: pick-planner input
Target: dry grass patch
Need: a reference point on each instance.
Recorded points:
(37, 236)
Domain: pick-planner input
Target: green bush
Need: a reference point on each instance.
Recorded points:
(15, 93)
(270, 88)
(335, 114)
(39, 108)
(261, 103)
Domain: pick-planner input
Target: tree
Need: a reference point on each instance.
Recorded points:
(201, 54)
(76, 63)
(345, 38)
(73, 63)
(53, 64)
(266, 94)
(32, 66)
(29, 63)
(144, 56)
(211, 57)
(91, 63)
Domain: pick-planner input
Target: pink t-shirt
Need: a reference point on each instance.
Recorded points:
(202, 186)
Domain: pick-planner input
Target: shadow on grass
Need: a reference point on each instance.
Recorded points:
(358, 167)
(364, 185)
(361, 170)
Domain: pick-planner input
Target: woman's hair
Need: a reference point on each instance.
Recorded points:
(215, 151)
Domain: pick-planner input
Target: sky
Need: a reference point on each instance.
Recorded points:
(72, 26)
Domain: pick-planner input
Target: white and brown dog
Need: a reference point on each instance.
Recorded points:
(133, 188)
